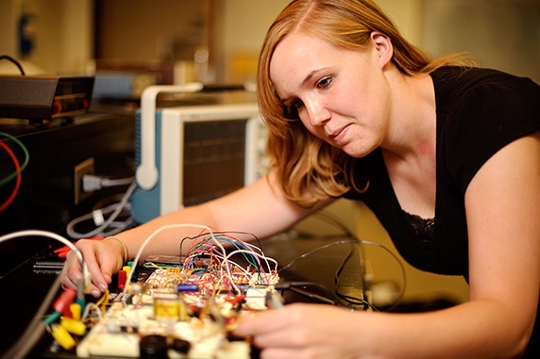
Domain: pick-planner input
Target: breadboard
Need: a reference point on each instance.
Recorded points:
(207, 339)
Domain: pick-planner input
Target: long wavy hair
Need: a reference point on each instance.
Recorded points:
(309, 169)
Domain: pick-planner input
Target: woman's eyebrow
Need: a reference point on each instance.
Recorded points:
(308, 78)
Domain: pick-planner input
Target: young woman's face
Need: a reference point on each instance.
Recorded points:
(341, 96)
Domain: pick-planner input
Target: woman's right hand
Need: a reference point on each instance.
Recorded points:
(103, 259)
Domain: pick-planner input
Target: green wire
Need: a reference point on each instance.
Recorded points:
(23, 166)
(51, 317)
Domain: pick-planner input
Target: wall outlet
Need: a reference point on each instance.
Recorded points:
(84, 168)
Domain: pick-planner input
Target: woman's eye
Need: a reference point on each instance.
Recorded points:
(291, 110)
(325, 82)
(296, 104)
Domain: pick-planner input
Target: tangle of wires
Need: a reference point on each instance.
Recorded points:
(215, 263)
(212, 269)
(215, 267)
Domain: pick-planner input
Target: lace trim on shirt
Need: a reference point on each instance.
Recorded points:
(423, 228)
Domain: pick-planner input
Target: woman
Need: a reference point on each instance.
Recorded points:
(446, 155)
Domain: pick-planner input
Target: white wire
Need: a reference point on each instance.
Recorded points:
(107, 182)
(226, 259)
(98, 231)
(87, 309)
(37, 232)
(265, 258)
(260, 270)
(139, 253)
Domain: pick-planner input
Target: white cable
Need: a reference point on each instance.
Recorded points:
(258, 255)
(98, 231)
(108, 182)
(41, 233)
(93, 182)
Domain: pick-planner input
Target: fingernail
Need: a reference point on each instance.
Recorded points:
(103, 287)
(96, 293)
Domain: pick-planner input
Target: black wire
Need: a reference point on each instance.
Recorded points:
(302, 256)
(355, 239)
(312, 295)
(17, 63)
(289, 285)
(341, 225)
(336, 281)
(351, 235)
(358, 301)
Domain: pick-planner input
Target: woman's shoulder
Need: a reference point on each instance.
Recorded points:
(456, 82)
(463, 88)
(479, 111)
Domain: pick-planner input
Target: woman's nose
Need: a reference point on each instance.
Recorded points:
(317, 112)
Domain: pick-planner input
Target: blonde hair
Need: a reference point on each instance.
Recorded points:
(309, 169)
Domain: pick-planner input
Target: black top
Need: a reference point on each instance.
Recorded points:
(479, 111)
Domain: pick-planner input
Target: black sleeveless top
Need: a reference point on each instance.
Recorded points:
(476, 116)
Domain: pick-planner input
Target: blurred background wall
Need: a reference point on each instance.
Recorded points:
(62, 36)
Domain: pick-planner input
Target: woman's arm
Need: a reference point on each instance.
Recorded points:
(503, 205)
(503, 209)
(259, 209)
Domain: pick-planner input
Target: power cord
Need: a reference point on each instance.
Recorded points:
(15, 62)
(93, 183)
(104, 225)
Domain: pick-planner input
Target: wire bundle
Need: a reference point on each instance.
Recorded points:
(220, 272)
(209, 269)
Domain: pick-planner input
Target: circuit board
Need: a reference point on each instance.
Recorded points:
(192, 326)
(185, 308)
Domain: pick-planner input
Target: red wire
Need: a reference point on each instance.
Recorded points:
(11, 198)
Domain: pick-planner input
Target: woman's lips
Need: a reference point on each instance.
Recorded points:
(336, 134)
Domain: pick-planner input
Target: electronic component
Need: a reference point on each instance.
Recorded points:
(180, 149)
(44, 97)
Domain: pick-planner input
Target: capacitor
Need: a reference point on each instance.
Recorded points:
(153, 347)
(180, 346)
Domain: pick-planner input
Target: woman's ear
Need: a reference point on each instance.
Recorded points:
(383, 47)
